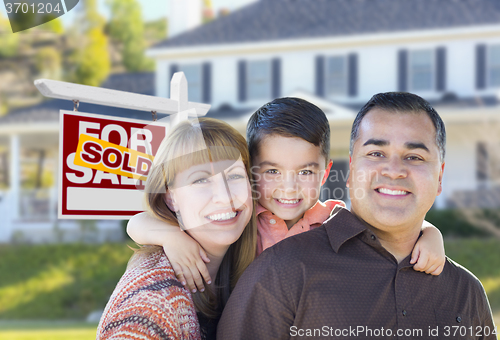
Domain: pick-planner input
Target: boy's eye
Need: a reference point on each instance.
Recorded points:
(272, 172)
(305, 172)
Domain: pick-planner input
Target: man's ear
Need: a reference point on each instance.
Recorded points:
(348, 176)
(440, 188)
(170, 201)
(327, 172)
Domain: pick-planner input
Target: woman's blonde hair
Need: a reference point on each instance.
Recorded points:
(193, 143)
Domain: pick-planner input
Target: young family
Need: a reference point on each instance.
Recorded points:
(217, 202)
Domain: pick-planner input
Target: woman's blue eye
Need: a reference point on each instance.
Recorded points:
(235, 176)
(201, 181)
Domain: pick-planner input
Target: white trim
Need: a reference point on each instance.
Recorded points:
(28, 127)
(15, 171)
(314, 43)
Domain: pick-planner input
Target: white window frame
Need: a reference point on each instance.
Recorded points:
(493, 65)
(432, 70)
(343, 77)
(258, 87)
(195, 84)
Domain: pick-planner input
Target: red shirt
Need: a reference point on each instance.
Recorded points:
(271, 229)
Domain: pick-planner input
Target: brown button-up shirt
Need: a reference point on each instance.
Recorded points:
(337, 281)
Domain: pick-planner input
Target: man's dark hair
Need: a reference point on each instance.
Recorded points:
(401, 102)
(289, 117)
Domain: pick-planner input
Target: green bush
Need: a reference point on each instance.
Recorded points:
(451, 222)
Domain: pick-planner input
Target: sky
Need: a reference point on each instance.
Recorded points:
(151, 9)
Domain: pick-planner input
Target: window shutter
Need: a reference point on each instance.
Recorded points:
(352, 75)
(242, 81)
(207, 82)
(441, 69)
(276, 78)
(403, 70)
(320, 76)
(173, 68)
(480, 66)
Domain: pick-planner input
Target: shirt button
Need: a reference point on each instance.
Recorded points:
(373, 237)
(459, 319)
(404, 312)
(272, 221)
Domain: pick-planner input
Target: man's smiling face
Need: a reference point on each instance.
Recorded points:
(395, 169)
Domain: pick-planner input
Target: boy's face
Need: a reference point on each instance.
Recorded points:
(289, 172)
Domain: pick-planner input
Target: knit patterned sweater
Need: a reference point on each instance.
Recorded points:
(149, 303)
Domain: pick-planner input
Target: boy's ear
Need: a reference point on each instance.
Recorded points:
(327, 172)
(170, 201)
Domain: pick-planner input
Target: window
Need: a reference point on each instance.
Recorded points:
(194, 78)
(421, 70)
(336, 76)
(258, 80)
(494, 65)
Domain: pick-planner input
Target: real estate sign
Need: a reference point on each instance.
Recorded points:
(103, 164)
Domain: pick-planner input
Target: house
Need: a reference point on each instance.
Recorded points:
(339, 53)
(334, 53)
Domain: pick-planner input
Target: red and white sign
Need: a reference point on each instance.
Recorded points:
(103, 164)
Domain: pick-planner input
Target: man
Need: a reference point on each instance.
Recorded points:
(352, 277)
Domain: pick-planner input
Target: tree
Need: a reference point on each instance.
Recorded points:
(48, 62)
(127, 28)
(92, 59)
(9, 41)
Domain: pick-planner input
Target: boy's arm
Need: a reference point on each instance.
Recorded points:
(428, 254)
(184, 253)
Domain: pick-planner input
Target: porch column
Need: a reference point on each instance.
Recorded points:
(15, 176)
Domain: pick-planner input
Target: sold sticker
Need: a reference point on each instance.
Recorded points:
(101, 155)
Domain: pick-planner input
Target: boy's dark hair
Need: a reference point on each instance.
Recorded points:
(289, 117)
(402, 102)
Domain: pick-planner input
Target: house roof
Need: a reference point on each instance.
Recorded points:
(48, 111)
(268, 20)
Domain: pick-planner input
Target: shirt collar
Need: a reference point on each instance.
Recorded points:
(260, 209)
(315, 214)
(342, 226)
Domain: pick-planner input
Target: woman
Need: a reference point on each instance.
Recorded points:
(200, 182)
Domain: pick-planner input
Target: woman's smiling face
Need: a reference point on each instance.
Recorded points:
(213, 201)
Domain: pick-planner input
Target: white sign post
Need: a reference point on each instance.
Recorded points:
(102, 165)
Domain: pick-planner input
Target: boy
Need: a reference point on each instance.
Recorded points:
(289, 145)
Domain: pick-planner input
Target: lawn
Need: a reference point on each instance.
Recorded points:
(47, 330)
(65, 282)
